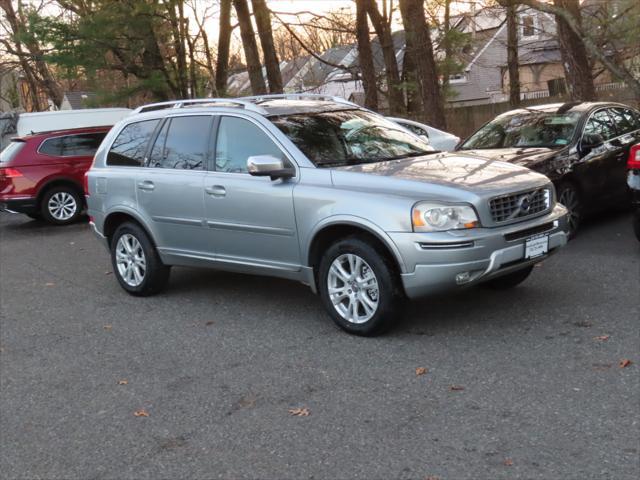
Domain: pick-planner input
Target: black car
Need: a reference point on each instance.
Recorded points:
(582, 147)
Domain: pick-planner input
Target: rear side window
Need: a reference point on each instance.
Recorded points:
(52, 146)
(84, 145)
(130, 146)
(624, 120)
(182, 143)
(10, 151)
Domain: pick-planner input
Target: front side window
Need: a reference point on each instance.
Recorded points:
(84, 145)
(130, 146)
(600, 124)
(239, 139)
(182, 143)
(525, 130)
(349, 137)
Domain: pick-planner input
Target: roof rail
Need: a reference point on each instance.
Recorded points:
(192, 102)
(299, 96)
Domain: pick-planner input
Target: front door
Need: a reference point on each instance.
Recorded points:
(170, 188)
(250, 219)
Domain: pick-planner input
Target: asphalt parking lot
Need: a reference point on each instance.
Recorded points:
(519, 384)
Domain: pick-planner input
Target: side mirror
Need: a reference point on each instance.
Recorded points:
(268, 166)
(589, 142)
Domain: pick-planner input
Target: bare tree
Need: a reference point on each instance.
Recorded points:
(419, 45)
(250, 46)
(513, 64)
(224, 42)
(263, 21)
(365, 57)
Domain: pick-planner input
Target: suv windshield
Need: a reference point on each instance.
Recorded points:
(349, 137)
(10, 151)
(530, 129)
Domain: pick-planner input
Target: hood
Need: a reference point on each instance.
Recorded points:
(525, 157)
(455, 170)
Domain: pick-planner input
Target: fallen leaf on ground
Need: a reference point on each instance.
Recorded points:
(49, 284)
(431, 477)
(123, 382)
(141, 413)
(508, 462)
(108, 273)
(583, 324)
(456, 388)
(625, 363)
(601, 366)
(107, 327)
(299, 412)
(421, 371)
(602, 338)
(210, 322)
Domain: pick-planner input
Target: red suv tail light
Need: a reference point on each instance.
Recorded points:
(634, 157)
(10, 173)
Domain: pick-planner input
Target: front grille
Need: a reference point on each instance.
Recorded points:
(519, 205)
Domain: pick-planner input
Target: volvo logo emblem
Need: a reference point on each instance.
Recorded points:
(524, 203)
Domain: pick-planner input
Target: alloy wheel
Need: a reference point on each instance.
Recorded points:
(62, 206)
(130, 259)
(569, 198)
(353, 288)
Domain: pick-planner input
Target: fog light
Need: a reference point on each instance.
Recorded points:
(463, 278)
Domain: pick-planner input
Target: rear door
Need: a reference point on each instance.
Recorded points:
(250, 219)
(170, 188)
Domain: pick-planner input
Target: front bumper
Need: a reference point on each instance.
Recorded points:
(19, 205)
(448, 260)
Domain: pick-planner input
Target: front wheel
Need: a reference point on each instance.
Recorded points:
(510, 280)
(135, 261)
(359, 287)
(570, 197)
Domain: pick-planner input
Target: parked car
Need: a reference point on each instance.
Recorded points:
(42, 175)
(633, 180)
(582, 147)
(438, 139)
(315, 190)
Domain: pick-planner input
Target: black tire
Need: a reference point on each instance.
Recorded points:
(156, 274)
(569, 195)
(389, 292)
(510, 280)
(48, 199)
(636, 224)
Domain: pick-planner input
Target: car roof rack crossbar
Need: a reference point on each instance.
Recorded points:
(299, 96)
(194, 102)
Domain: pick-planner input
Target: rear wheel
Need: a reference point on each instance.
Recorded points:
(135, 261)
(636, 224)
(510, 280)
(570, 197)
(359, 287)
(61, 205)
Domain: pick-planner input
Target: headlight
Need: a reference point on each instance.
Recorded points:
(436, 217)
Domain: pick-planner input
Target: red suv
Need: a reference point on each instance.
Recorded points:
(42, 175)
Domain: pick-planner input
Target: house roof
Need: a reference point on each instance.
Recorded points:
(80, 100)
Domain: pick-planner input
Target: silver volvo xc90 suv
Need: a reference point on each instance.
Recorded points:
(314, 189)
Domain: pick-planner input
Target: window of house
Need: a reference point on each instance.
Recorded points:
(529, 26)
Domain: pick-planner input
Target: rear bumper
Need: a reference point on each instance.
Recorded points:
(19, 205)
(446, 262)
(633, 181)
(101, 238)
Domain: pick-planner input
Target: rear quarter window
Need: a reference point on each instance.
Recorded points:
(51, 146)
(10, 151)
(130, 146)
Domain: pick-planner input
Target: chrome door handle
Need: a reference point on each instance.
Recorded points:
(216, 190)
(146, 185)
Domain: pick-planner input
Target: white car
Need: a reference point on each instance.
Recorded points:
(438, 139)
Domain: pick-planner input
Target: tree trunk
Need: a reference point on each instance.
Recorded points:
(224, 41)
(248, 36)
(263, 21)
(446, 44)
(577, 67)
(419, 43)
(180, 66)
(512, 54)
(394, 89)
(365, 57)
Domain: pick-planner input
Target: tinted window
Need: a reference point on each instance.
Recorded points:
(82, 145)
(350, 137)
(182, 143)
(600, 124)
(239, 139)
(130, 145)
(52, 146)
(624, 120)
(530, 129)
(10, 151)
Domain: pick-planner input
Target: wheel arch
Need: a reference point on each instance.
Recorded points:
(60, 182)
(117, 217)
